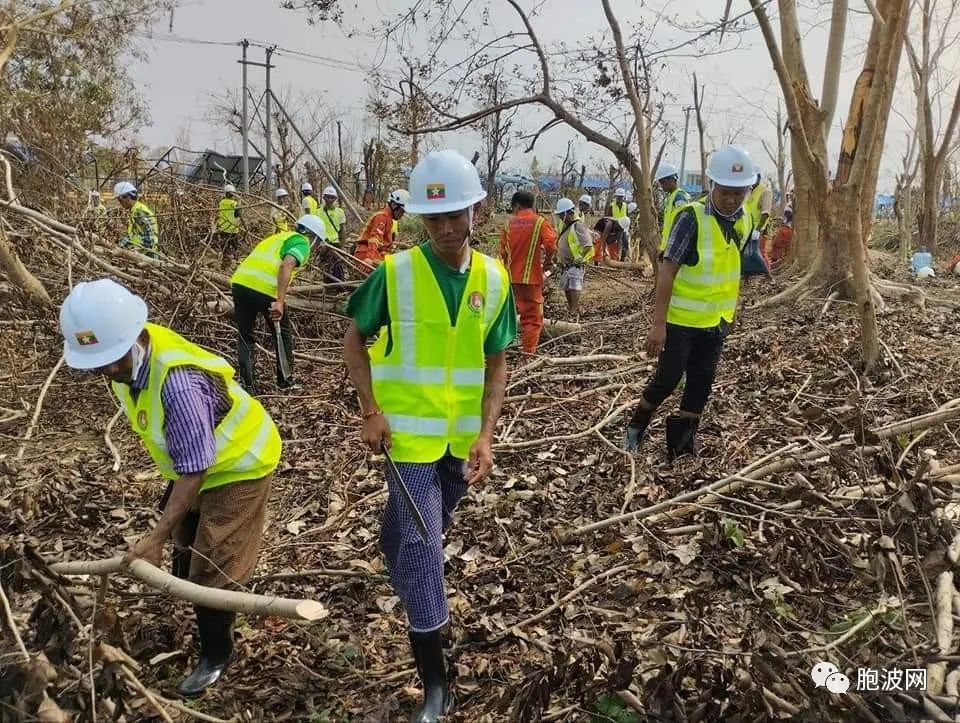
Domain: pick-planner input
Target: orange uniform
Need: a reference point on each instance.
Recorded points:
(376, 241)
(524, 241)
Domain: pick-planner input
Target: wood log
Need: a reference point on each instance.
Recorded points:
(943, 626)
(553, 328)
(240, 602)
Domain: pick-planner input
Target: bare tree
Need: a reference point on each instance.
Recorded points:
(903, 205)
(698, 108)
(925, 66)
(778, 156)
(836, 219)
(496, 128)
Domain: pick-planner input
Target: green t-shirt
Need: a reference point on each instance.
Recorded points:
(368, 304)
(298, 247)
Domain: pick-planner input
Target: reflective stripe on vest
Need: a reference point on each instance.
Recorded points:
(134, 232)
(669, 214)
(227, 219)
(706, 293)
(619, 209)
(335, 219)
(247, 441)
(532, 250)
(309, 205)
(752, 204)
(259, 270)
(430, 383)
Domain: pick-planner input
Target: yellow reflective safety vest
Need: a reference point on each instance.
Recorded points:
(576, 250)
(427, 375)
(142, 229)
(752, 204)
(280, 221)
(334, 218)
(309, 204)
(228, 221)
(706, 293)
(619, 209)
(669, 213)
(259, 270)
(248, 443)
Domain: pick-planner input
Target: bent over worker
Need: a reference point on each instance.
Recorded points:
(431, 389)
(217, 447)
(259, 288)
(696, 298)
(143, 233)
(528, 244)
(376, 239)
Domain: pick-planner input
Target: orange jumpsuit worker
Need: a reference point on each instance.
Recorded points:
(376, 240)
(527, 246)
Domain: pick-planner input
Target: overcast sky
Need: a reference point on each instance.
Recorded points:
(181, 76)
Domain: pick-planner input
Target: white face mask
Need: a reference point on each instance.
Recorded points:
(138, 356)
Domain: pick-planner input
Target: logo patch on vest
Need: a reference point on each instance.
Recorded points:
(142, 419)
(86, 338)
(475, 302)
(436, 191)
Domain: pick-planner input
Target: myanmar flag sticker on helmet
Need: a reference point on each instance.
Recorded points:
(436, 191)
(86, 338)
(736, 168)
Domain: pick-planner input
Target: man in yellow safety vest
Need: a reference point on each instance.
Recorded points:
(217, 447)
(228, 223)
(308, 202)
(574, 250)
(143, 233)
(430, 391)
(279, 216)
(618, 205)
(696, 299)
(336, 221)
(259, 287)
(668, 179)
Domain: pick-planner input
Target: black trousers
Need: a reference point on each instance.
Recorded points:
(694, 352)
(247, 306)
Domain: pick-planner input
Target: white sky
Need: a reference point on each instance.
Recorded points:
(179, 79)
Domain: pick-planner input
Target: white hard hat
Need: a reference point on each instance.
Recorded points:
(620, 193)
(306, 186)
(330, 191)
(665, 170)
(229, 188)
(732, 166)
(925, 272)
(563, 206)
(100, 321)
(124, 188)
(95, 194)
(587, 199)
(631, 207)
(624, 223)
(444, 181)
(400, 197)
(282, 193)
(313, 224)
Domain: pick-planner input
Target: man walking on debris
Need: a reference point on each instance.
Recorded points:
(228, 224)
(142, 230)
(528, 244)
(259, 288)
(575, 249)
(430, 391)
(278, 216)
(214, 443)
(668, 178)
(696, 297)
(336, 221)
(376, 239)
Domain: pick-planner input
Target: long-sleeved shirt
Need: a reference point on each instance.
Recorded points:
(522, 254)
(682, 244)
(194, 403)
(584, 238)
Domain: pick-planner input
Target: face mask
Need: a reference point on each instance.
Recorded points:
(138, 356)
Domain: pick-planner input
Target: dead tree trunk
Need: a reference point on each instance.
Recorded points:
(19, 276)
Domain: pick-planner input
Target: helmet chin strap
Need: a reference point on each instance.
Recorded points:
(717, 210)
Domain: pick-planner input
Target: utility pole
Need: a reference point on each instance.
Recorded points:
(268, 150)
(683, 153)
(244, 161)
(340, 168)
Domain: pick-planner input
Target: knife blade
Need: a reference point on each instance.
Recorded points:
(282, 353)
(406, 496)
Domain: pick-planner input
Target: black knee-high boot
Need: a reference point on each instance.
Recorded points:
(437, 699)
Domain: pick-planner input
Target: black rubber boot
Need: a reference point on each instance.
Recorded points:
(635, 429)
(215, 630)
(681, 436)
(180, 562)
(437, 698)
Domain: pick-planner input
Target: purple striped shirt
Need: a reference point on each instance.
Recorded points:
(194, 403)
